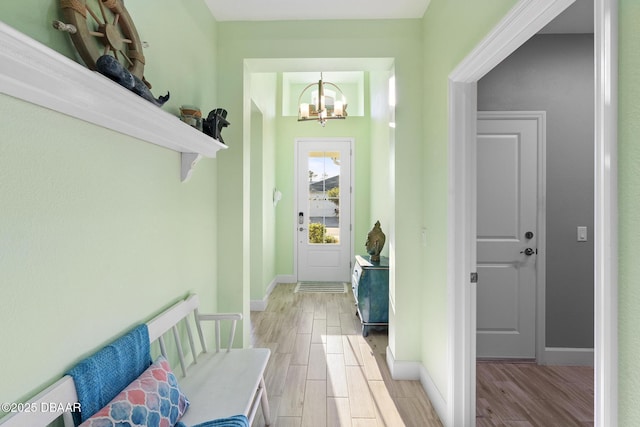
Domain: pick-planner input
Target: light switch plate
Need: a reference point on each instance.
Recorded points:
(582, 233)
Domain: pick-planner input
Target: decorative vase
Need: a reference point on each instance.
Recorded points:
(375, 242)
(192, 116)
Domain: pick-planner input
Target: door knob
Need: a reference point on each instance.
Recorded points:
(528, 252)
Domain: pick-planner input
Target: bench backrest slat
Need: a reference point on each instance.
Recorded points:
(163, 347)
(217, 318)
(165, 320)
(191, 342)
(169, 320)
(176, 337)
(200, 333)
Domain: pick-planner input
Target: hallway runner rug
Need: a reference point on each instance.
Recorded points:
(321, 287)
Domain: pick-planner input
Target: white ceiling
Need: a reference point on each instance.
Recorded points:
(578, 18)
(276, 10)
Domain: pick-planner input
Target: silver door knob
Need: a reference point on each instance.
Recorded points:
(528, 252)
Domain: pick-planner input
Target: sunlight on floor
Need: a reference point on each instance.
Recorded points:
(323, 372)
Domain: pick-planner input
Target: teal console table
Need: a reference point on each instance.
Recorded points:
(370, 285)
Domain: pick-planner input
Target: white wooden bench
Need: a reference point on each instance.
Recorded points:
(218, 384)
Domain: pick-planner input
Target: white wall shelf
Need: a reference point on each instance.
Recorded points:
(35, 73)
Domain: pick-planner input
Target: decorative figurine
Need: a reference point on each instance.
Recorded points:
(375, 242)
(215, 121)
(110, 67)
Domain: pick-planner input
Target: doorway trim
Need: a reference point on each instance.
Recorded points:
(297, 142)
(525, 19)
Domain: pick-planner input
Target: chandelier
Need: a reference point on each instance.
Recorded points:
(327, 102)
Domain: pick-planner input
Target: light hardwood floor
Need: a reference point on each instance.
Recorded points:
(526, 395)
(322, 372)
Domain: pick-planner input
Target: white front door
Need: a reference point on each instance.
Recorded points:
(323, 213)
(507, 176)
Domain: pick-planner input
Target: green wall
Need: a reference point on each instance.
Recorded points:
(396, 39)
(459, 26)
(263, 213)
(97, 233)
(93, 220)
(34, 18)
(381, 136)
(629, 206)
(288, 130)
(371, 193)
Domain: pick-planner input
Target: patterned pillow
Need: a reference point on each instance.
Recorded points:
(152, 400)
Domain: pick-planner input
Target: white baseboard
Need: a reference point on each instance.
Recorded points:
(409, 370)
(261, 304)
(568, 356)
(437, 401)
(258, 304)
(286, 278)
(401, 369)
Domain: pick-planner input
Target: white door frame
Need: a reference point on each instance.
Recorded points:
(351, 142)
(541, 218)
(523, 21)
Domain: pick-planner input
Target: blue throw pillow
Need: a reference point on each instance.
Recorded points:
(152, 400)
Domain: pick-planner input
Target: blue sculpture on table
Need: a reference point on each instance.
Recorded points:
(110, 67)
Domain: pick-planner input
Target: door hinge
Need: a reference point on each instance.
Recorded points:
(474, 277)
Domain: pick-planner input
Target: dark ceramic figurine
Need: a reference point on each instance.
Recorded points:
(110, 67)
(375, 242)
(215, 121)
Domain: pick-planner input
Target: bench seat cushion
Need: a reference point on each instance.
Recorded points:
(222, 384)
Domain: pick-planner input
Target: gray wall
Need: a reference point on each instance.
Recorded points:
(554, 73)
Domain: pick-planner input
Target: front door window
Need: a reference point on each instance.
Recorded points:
(324, 197)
